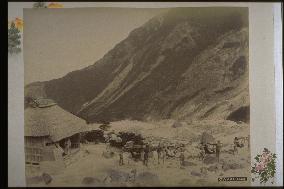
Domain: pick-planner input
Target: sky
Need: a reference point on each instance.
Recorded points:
(58, 41)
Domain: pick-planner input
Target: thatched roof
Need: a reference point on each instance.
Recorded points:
(41, 103)
(51, 120)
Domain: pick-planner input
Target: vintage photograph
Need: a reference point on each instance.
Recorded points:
(136, 96)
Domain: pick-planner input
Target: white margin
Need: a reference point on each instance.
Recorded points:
(278, 91)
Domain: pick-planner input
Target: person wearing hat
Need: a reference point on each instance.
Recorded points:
(146, 154)
(237, 144)
(159, 151)
(218, 149)
(121, 158)
(181, 158)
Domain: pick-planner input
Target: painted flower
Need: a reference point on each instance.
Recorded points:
(55, 5)
(265, 158)
(19, 23)
(264, 166)
(260, 167)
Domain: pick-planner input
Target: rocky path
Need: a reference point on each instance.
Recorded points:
(94, 166)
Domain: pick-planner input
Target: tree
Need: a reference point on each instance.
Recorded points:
(14, 41)
(39, 5)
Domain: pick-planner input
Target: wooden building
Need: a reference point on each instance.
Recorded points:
(47, 128)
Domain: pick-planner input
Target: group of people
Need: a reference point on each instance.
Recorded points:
(161, 152)
(205, 148)
(158, 153)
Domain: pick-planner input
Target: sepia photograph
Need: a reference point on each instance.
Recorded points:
(136, 96)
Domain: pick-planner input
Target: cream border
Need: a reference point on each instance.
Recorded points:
(261, 83)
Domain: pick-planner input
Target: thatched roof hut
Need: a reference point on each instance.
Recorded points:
(48, 119)
(48, 128)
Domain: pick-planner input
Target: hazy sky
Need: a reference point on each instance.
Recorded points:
(57, 41)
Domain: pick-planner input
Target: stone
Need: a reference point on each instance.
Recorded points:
(34, 180)
(194, 173)
(46, 178)
(91, 181)
(235, 166)
(147, 179)
(209, 160)
(188, 163)
(186, 182)
(117, 175)
(227, 166)
(212, 168)
(203, 170)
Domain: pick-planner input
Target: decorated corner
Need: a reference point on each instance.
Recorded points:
(264, 168)
(15, 28)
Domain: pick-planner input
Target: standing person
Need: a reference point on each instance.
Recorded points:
(121, 158)
(69, 145)
(236, 141)
(159, 151)
(202, 153)
(248, 140)
(146, 155)
(66, 146)
(218, 150)
(142, 155)
(218, 146)
(154, 155)
(164, 154)
(181, 158)
(128, 157)
(238, 144)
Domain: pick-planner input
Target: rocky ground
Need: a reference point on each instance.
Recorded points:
(90, 168)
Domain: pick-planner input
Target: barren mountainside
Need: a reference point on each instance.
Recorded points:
(185, 64)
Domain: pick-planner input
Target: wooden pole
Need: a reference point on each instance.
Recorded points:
(248, 141)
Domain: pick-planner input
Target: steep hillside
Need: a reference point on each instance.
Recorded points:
(189, 63)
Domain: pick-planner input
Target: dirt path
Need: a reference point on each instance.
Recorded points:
(170, 173)
(89, 162)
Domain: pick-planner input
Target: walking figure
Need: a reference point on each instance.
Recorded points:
(159, 151)
(121, 158)
(202, 153)
(218, 150)
(237, 144)
(146, 155)
(142, 155)
(181, 158)
(163, 154)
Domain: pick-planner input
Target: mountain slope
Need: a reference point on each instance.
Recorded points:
(189, 63)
